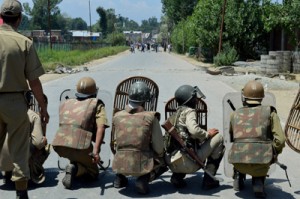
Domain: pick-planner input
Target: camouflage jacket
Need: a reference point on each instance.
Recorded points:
(77, 123)
(252, 137)
(134, 155)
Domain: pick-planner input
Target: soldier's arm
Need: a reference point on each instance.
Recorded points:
(102, 124)
(37, 90)
(195, 130)
(278, 134)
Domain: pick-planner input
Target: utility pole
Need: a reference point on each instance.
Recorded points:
(221, 28)
(49, 24)
(90, 18)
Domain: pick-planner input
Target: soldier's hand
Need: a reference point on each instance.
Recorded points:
(212, 132)
(44, 116)
(96, 158)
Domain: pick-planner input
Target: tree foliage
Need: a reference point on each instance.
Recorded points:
(103, 20)
(39, 14)
(178, 10)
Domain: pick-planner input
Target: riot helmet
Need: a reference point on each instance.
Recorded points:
(186, 95)
(253, 92)
(139, 92)
(86, 87)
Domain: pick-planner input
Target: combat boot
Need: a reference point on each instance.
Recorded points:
(177, 179)
(154, 174)
(120, 181)
(238, 180)
(208, 182)
(141, 184)
(22, 194)
(7, 177)
(259, 187)
(71, 171)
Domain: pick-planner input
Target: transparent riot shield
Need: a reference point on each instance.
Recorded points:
(232, 101)
(106, 97)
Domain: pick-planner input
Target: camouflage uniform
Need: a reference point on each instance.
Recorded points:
(38, 150)
(78, 123)
(255, 129)
(207, 148)
(139, 146)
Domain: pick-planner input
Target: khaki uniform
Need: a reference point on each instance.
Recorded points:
(77, 151)
(19, 62)
(277, 140)
(180, 162)
(36, 141)
(139, 142)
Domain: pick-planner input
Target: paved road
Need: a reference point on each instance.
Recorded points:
(169, 72)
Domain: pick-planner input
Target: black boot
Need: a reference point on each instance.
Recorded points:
(208, 182)
(7, 177)
(141, 184)
(177, 179)
(120, 181)
(22, 194)
(154, 174)
(239, 178)
(258, 184)
(71, 171)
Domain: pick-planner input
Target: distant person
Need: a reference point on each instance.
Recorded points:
(20, 66)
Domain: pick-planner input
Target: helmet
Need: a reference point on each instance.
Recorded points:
(86, 87)
(185, 93)
(139, 92)
(253, 92)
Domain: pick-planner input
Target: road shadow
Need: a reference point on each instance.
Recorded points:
(50, 181)
(272, 190)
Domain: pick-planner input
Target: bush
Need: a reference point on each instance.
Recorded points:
(227, 57)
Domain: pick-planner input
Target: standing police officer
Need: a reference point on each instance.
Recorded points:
(257, 138)
(207, 144)
(19, 62)
(139, 141)
(81, 121)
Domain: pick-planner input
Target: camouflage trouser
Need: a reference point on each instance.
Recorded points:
(36, 161)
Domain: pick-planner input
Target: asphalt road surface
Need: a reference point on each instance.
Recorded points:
(169, 72)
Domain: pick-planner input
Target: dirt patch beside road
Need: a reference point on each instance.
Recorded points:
(285, 91)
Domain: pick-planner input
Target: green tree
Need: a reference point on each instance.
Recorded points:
(39, 14)
(78, 24)
(206, 21)
(103, 20)
(285, 16)
(243, 28)
(178, 10)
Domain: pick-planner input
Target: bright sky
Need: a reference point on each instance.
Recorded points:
(136, 10)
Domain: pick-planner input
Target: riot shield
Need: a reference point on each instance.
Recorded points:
(231, 102)
(106, 97)
(292, 126)
(121, 99)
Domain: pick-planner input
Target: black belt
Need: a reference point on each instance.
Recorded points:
(12, 92)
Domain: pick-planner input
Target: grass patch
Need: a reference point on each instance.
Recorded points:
(52, 58)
